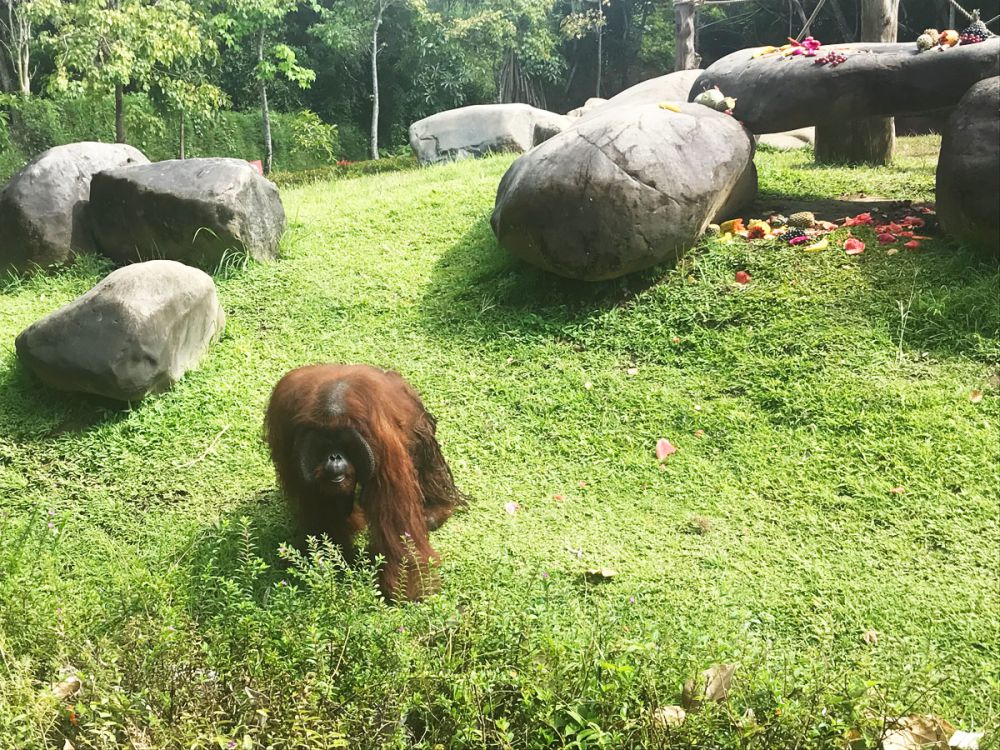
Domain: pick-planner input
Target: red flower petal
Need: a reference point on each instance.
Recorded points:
(742, 277)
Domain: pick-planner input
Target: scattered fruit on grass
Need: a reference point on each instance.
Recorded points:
(911, 245)
(758, 230)
(742, 277)
(854, 246)
(802, 219)
(791, 234)
(664, 448)
(713, 230)
(976, 396)
(732, 226)
(892, 251)
(885, 238)
(823, 244)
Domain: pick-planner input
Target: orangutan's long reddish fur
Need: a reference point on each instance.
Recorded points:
(412, 491)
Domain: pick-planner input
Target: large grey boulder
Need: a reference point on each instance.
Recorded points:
(672, 87)
(968, 171)
(482, 129)
(622, 192)
(42, 208)
(775, 94)
(196, 211)
(135, 333)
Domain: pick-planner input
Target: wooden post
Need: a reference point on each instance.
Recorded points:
(685, 57)
(870, 140)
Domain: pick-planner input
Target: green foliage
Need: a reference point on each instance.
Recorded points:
(301, 140)
(345, 169)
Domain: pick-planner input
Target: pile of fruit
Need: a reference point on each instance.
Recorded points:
(804, 230)
(974, 33)
(808, 47)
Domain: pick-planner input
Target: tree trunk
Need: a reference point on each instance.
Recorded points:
(119, 113)
(685, 58)
(600, 47)
(180, 149)
(265, 112)
(375, 102)
(871, 140)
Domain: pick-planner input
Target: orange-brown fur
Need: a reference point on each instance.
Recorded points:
(411, 491)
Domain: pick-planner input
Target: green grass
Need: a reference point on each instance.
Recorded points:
(773, 540)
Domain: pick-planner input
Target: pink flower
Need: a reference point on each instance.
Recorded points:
(886, 239)
(854, 246)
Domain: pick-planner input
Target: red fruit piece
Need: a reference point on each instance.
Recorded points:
(742, 277)
(664, 448)
(854, 246)
(886, 239)
(912, 244)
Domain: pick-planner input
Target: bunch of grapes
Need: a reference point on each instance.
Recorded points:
(791, 234)
(832, 57)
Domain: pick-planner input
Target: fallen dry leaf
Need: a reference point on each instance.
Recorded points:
(915, 732)
(67, 688)
(664, 448)
(669, 716)
(897, 490)
(711, 685)
(699, 433)
(976, 396)
(870, 637)
(965, 740)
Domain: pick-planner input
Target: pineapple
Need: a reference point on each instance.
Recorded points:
(925, 42)
(975, 32)
(802, 220)
(932, 33)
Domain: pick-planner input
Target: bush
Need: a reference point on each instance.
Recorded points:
(344, 169)
(31, 125)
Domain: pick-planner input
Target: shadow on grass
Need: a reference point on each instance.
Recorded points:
(941, 299)
(30, 410)
(476, 285)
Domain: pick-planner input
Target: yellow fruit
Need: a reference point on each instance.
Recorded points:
(823, 244)
(670, 105)
(948, 38)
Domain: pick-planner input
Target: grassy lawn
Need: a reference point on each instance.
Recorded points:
(139, 548)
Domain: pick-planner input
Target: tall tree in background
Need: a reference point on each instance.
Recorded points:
(16, 34)
(353, 25)
(579, 22)
(260, 21)
(103, 46)
(871, 140)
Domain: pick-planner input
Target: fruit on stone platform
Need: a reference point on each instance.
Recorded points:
(948, 38)
(925, 42)
(975, 32)
(932, 33)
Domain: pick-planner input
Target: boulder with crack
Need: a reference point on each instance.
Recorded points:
(482, 129)
(624, 191)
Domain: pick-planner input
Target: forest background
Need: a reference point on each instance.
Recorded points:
(336, 80)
